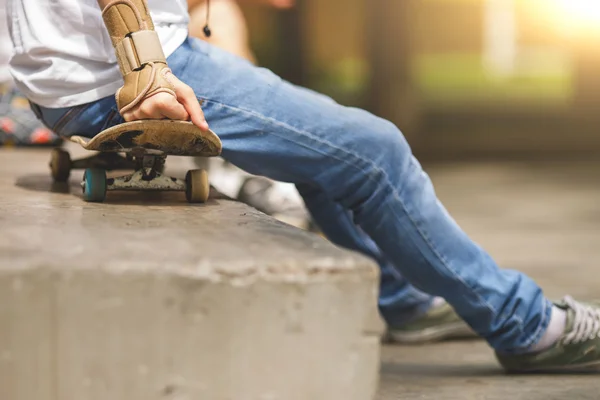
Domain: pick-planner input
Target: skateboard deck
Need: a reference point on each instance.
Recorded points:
(154, 137)
(146, 144)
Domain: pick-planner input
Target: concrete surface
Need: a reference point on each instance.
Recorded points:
(146, 297)
(540, 218)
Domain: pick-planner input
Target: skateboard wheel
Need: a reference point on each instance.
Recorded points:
(94, 185)
(197, 187)
(60, 165)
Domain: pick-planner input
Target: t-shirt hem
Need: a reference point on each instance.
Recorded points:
(96, 94)
(75, 99)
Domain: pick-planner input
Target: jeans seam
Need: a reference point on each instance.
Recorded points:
(373, 165)
(110, 117)
(440, 257)
(66, 118)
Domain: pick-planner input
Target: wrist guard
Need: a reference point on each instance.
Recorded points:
(140, 56)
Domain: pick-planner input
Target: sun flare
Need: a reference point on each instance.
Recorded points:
(582, 10)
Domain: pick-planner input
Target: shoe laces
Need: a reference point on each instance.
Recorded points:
(586, 324)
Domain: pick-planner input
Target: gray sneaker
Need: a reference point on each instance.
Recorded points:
(438, 324)
(577, 350)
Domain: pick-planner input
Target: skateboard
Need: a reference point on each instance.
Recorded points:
(141, 146)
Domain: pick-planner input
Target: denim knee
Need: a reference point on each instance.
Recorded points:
(380, 147)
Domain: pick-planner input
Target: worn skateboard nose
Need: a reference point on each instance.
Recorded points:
(146, 145)
(164, 137)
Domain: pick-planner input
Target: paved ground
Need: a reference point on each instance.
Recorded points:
(541, 218)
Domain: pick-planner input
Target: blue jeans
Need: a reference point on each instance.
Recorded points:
(362, 185)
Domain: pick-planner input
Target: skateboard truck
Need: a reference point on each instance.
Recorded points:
(146, 145)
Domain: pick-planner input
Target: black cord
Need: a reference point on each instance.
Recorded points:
(207, 31)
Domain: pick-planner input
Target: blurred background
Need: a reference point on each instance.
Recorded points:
(463, 79)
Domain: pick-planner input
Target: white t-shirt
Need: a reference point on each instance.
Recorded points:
(5, 45)
(63, 54)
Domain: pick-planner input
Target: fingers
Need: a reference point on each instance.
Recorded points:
(187, 98)
(184, 106)
(171, 109)
(159, 106)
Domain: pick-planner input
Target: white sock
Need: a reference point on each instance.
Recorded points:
(556, 328)
(437, 302)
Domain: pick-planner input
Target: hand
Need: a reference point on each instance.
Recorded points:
(184, 106)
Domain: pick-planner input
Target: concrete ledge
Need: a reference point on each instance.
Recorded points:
(165, 300)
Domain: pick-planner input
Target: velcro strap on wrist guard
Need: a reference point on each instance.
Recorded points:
(139, 52)
(139, 49)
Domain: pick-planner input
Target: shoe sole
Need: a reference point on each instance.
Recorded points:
(457, 330)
